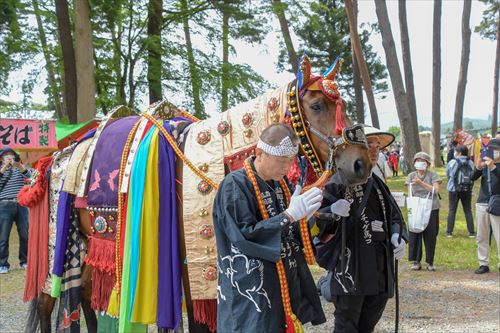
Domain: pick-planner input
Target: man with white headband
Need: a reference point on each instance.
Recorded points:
(262, 268)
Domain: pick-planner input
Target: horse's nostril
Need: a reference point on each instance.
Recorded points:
(359, 166)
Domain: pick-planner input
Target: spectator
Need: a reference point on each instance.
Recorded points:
(451, 152)
(394, 162)
(381, 168)
(459, 172)
(423, 181)
(489, 171)
(12, 176)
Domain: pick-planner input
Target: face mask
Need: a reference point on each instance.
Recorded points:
(420, 165)
(496, 154)
(455, 155)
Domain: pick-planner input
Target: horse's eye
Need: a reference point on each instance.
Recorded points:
(317, 107)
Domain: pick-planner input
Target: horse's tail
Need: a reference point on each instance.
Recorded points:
(33, 318)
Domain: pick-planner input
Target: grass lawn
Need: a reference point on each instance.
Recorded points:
(459, 252)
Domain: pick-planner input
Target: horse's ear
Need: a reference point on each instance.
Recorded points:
(304, 74)
(334, 68)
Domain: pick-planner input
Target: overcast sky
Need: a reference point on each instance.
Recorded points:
(479, 91)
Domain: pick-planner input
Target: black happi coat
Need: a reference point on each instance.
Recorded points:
(369, 267)
(248, 247)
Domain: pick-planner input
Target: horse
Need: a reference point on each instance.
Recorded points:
(317, 116)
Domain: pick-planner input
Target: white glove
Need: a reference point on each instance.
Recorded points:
(341, 207)
(304, 205)
(399, 248)
(377, 226)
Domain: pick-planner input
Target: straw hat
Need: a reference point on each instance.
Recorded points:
(385, 138)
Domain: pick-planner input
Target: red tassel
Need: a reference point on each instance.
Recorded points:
(340, 123)
(102, 285)
(102, 259)
(311, 176)
(30, 196)
(290, 327)
(294, 173)
(205, 312)
(38, 247)
(101, 254)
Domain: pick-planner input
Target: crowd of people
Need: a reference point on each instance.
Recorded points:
(461, 173)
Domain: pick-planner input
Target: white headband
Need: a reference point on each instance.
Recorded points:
(285, 148)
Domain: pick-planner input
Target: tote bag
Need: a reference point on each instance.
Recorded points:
(419, 211)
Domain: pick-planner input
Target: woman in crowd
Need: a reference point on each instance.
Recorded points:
(423, 181)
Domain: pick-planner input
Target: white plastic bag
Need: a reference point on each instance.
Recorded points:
(419, 211)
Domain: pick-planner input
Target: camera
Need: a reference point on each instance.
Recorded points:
(486, 152)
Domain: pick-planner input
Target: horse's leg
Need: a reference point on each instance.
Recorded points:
(86, 293)
(44, 308)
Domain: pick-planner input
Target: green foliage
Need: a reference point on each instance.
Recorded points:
(422, 128)
(395, 130)
(488, 26)
(470, 123)
(17, 41)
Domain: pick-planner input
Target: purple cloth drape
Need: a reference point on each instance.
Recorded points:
(62, 222)
(62, 227)
(169, 268)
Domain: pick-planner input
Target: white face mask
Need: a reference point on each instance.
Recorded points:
(420, 165)
(496, 154)
(455, 155)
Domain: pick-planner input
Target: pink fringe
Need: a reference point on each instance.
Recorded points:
(102, 259)
(205, 312)
(38, 249)
(101, 254)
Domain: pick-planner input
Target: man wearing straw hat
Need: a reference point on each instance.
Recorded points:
(359, 250)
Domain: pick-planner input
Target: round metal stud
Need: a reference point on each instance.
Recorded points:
(206, 231)
(248, 132)
(210, 273)
(223, 128)
(100, 224)
(247, 119)
(204, 187)
(203, 167)
(203, 137)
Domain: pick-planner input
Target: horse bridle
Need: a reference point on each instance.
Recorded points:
(353, 135)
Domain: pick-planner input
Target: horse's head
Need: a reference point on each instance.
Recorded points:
(318, 116)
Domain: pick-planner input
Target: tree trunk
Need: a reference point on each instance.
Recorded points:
(464, 65)
(405, 46)
(85, 81)
(494, 116)
(199, 112)
(279, 10)
(409, 130)
(54, 92)
(436, 83)
(116, 58)
(351, 9)
(68, 53)
(155, 20)
(225, 58)
(358, 90)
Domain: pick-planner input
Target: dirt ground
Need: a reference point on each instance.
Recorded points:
(441, 301)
